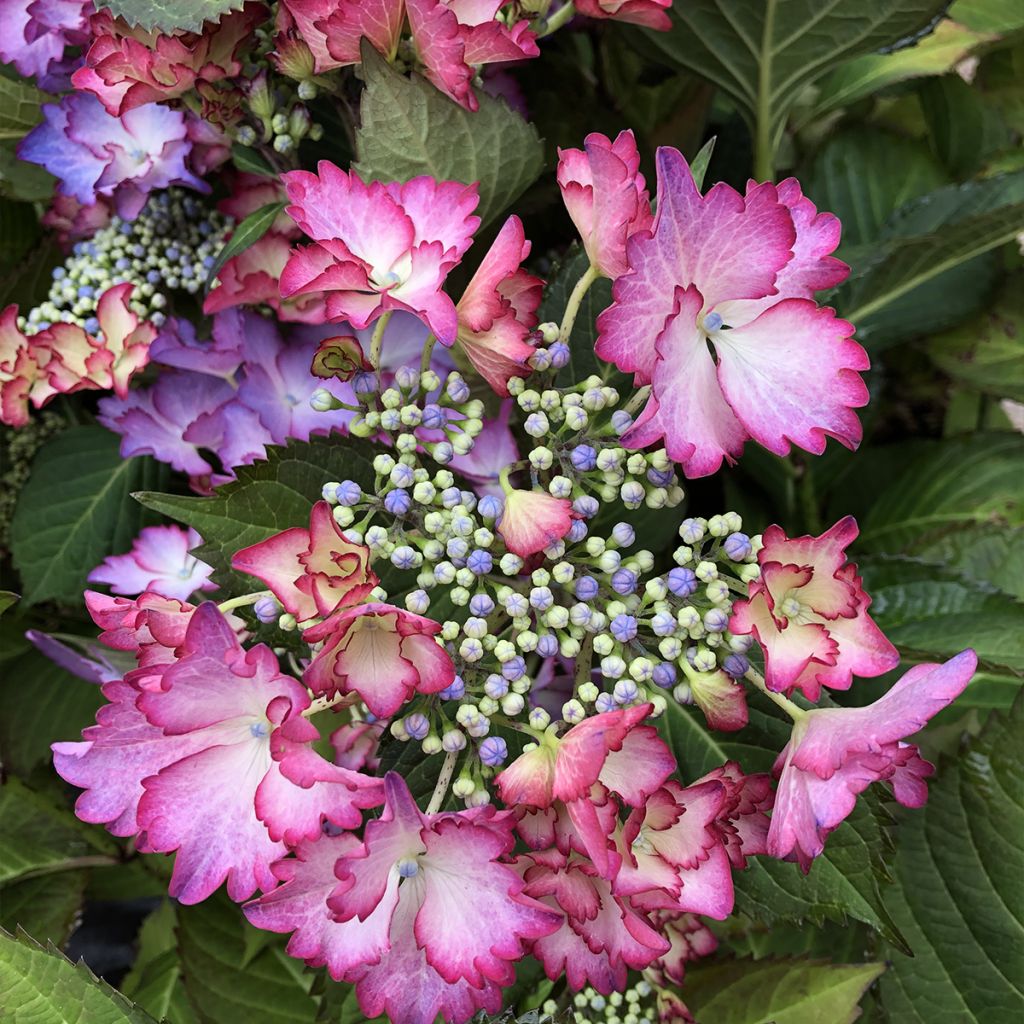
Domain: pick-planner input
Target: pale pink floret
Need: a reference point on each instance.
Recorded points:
(422, 916)
(382, 653)
(690, 939)
(498, 310)
(736, 273)
(311, 572)
(836, 753)
(161, 562)
(379, 247)
(333, 29)
(649, 13)
(533, 521)
(606, 197)
(21, 378)
(722, 699)
(808, 611)
(743, 819)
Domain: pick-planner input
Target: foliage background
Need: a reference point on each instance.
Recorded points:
(903, 117)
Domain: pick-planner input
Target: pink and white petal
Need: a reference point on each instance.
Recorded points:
(276, 562)
(585, 747)
(507, 252)
(433, 664)
(440, 211)
(792, 376)
(534, 520)
(594, 836)
(788, 651)
(440, 43)
(707, 888)
(722, 699)
(639, 767)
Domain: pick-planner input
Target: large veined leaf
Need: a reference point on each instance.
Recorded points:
(270, 988)
(75, 510)
(961, 902)
(408, 128)
(844, 882)
(170, 15)
(19, 107)
(41, 986)
(268, 496)
(45, 904)
(778, 991)
(988, 15)
(764, 54)
(155, 981)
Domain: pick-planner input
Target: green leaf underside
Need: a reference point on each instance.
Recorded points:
(961, 900)
(170, 15)
(41, 986)
(778, 991)
(75, 510)
(409, 128)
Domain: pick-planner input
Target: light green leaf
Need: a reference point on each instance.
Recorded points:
(864, 174)
(986, 553)
(37, 837)
(248, 233)
(935, 54)
(844, 882)
(987, 353)
(170, 15)
(155, 981)
(961, 903)
(19, 107)
(21, 180)
(778, 991)
(272, 989)
(75, 510)
(408, 128)
(763, 55)
(266, 497)
(989, 15)
(41, 986)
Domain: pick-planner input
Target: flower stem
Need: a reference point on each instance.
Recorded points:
(241, 602)
(572, 307)
(443, 782)
(794, 711)
(377, 342)
(325, 703)
(558, 19)
(428, 350)
(637, 400)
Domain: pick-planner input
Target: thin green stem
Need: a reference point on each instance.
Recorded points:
(572, 307)
(377, 342)
(637, 400)
(443, 782)
(241, 602)
(428, 349)
(796, 713)
(584, 660)
(558, 19)
(324, 703)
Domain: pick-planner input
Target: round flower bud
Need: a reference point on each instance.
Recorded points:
(512, 704)
(397, 730)
(625, 691)
(624, 628)
(449, 630)
(658, 705)
(704, 660)
(612, 667)
(682, 555)
(286, 622)
(576, 418)
(416, 726)
(717, 526)
(560, 487)
(417, 601)
(539, 718)
(463, 787)
(431, 745)
(688, 617)
(664, 675)
(632, 494)
(493, 751)
(605, 702)
(736, 665)
(541, 458)
(682, 581)
(716, 620)
(737, 546)
(266, 610)
(586, 506)
(706, 571)
(740, 644)
(603, 644)
(663, 624)
(580, 614)
(670, 647)
(328, 492)
(488, 706)
(691, 531)
(587, 692)
(641, 669)
(569, 647)
(557, 617)
(510, 565)
(573, 711)
(749, 573)
(453, 740)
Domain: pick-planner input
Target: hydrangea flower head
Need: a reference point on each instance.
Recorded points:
(423, 915)
(808, 611)
(379, 247)
(606, 197)
(498, 310)
(36, 33)
(161, 562)
(94, 154)
(383, 653)
(311, 571)
(127, 66)
(735, 272)
(836, 753)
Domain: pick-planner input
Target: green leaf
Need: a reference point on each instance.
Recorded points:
(41, 986)
(37, 837)
(155, 981)
(764, 55)
(245, 158)
(170, 15)
(74, 511)
(987, 353)
(19, 107)
(778, 991)
(844, 882)
(272, 989)
(936, 54)
(408, 128)
(59, 708)
(248, 233)
(988, 15)
(266, 497)
(21, 180)
(19, 231)
(699, 164)
(985, 553)
(864, 174)
(47, 905)
(960, 862)
(8, 599)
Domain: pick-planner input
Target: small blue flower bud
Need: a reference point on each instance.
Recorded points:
(91, 325)
(479, 562)
(456, 690)
(417, 726)
(691, 531)
(624, 534)
(663, 624)
(364, 383)
(402, 475)
(623, 628)
(514, 668)
(433, 417)
(664, 675)
(737, 546)
(490, 507)
(407, 377)
(457, 389)
(267, 609)
(481, 604)
(659, 477)
(583, 458)
(605, 702)
(587, 588)
(559, 355)
(517, 606)
(577, 531)
(736, 665)
(716, 620)
(398, 502)
(443, 453)
(682, 581)
(586, 506)
(621, 421)
(457, 548)
(625, 692)
(493, 751)
(624, 581)
(495, 686)
(348, 493)
(541, 598)
(450, 497)
(547, 645)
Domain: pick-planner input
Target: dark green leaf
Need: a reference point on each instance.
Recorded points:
(268, 496)
(7, 600)
(763, 55)
(272, 989)
(21, 180)
(19, 108)
(75, 510)
(245, 158)
(960, 864)
(46, 905)
(408, 128)
(249, 232)
(778, 991)
(170, 15)
(19, 231)
(988, 15)
(41, 986)
(699, 164)
(962, 129)
(155, 981)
